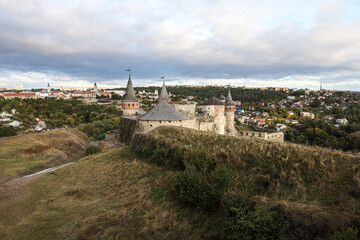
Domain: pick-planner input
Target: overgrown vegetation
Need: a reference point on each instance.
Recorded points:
(346, 234)
(98, 128)
(176, 183)
(7, 131)
(92, 150)
(318, 189)
(258, 223)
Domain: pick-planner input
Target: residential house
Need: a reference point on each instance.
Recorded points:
(307, 114)
(342, 121)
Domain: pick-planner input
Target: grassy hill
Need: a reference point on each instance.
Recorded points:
(27, 154)
(176, 183)
(318, 188)
(111, 195)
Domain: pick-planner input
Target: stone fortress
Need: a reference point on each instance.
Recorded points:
(217, 115)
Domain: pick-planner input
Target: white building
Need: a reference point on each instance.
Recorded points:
(342, 121)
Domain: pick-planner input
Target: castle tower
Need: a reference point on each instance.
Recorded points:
(164, 95)
(48, 89)
(215, 108)
(129, 103)
(95, 87)
(229, 114)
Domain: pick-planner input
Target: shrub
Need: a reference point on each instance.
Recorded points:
(201, 160)
(261, 223)
(98, 128)
(346, 234)
(92, 150)
(199, 189)
(7, 131)
(159, 153)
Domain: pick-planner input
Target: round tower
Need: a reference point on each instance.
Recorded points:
(229, 114)
(213, 107)
(129, 103)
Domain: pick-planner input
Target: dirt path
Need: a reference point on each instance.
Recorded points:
(14, 189)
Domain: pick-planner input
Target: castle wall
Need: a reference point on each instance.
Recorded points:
(188, 109)
(146, 126)
(274, 136)
(219, 119)
(207, 126)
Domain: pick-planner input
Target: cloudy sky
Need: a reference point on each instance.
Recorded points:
(284, 43)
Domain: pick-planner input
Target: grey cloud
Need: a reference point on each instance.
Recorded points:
(95, 41)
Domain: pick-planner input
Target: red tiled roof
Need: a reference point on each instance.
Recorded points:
(18, 94)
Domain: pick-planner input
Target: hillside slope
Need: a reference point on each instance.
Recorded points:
(111, 195)
(31, 153)
(319, 188)
(176, 183)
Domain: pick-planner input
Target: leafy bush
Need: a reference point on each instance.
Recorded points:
(92, 150)
(346, 234)
(199, 189)
(201, 160)
(7, 131)
(261, 223)
(98, 128)
(159, 152)
(171, 155)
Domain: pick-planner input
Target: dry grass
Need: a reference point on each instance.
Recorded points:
(117, 195)
(110, 195)
(29, 153)
(327, 182)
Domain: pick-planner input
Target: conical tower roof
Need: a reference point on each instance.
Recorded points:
(163, 112)
(164, 95)
(213, 101)
(130, 95)
(222, 97)
(229, 101)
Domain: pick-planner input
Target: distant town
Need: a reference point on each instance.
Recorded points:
(315, 117)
